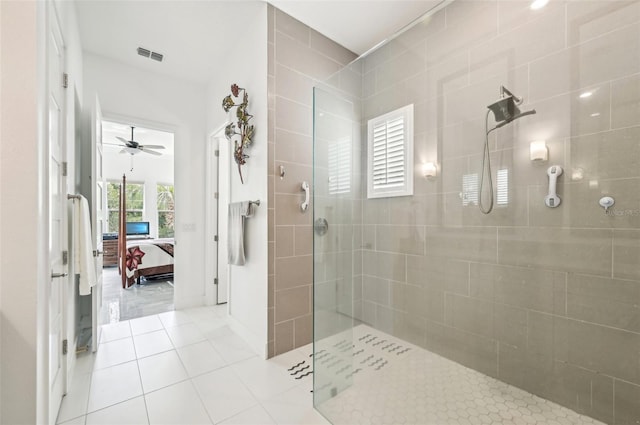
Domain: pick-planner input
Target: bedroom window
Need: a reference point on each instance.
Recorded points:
(135, 203)
(166, 217)
(390, 154)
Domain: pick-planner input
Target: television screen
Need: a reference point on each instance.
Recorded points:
(138, 228)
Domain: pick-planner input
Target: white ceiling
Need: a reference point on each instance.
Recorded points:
(357, 25)
(194, 36)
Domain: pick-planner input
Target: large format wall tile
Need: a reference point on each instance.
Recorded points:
(523, 287)
(574, 250)
(626, 253)
(606, 301)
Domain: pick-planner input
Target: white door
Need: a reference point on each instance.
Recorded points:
(224, 164)
(57, 214)
(97, 217)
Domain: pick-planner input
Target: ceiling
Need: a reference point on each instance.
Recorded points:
(194, 36)
(357, 25)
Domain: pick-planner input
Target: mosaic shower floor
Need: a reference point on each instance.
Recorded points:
(395, 382)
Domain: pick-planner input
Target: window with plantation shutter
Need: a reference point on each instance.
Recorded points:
(339, 167)
(390, 154)
(502, 192)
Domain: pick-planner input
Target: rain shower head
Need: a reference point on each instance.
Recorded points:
(506, 108)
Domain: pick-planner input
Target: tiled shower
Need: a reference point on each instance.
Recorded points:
(528, 300)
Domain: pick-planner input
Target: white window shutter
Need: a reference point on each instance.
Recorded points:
(390, 154)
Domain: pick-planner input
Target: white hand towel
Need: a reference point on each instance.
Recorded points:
(84, 262)
(238, 211)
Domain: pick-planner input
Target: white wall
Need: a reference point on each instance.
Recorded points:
(152, 170)
(164, 103)
(23, 192)
(246, 64)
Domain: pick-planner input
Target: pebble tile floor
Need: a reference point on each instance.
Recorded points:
(394, 382)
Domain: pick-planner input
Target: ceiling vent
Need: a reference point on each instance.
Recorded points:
(144, 52)
(149, 54)
(156, 56)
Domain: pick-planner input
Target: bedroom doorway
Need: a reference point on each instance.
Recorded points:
(144, 156)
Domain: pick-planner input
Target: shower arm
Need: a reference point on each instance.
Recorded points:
(517, 100)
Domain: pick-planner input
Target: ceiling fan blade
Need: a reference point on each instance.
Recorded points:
(122, 139)
(151, 152)
(124, 150)
(152, 146)
(112, 144)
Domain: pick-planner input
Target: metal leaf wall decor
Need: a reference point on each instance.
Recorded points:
(239, 132)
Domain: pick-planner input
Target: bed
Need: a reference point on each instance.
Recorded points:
(148, 258)
(141, 257)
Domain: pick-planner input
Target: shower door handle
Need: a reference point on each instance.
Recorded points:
(305, 204)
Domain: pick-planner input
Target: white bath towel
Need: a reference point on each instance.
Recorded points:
(84, 264)
(238, 211)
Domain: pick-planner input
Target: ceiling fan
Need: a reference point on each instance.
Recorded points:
(132, 147)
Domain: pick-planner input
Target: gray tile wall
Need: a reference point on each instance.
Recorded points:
(298, 58)
(545, 299)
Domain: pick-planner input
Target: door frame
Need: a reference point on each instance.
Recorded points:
(159, 126)
(213, 211)
(52, 23)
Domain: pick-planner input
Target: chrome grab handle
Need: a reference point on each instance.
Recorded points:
(55, 275)
(97, 252)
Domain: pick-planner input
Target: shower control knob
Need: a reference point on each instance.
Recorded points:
(606, 202)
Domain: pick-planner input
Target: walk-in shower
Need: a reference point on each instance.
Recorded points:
(427, 311)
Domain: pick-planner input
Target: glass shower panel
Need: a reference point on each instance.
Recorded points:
(456, 316)
(337, 263)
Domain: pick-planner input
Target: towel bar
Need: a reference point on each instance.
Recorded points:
(73, 196)
(257, 202)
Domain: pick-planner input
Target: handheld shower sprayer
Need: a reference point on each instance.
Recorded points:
(505, 110)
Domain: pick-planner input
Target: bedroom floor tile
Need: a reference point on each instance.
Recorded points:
(216, 378)
(151, 297)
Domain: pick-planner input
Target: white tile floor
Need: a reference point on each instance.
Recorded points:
(185, 367)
